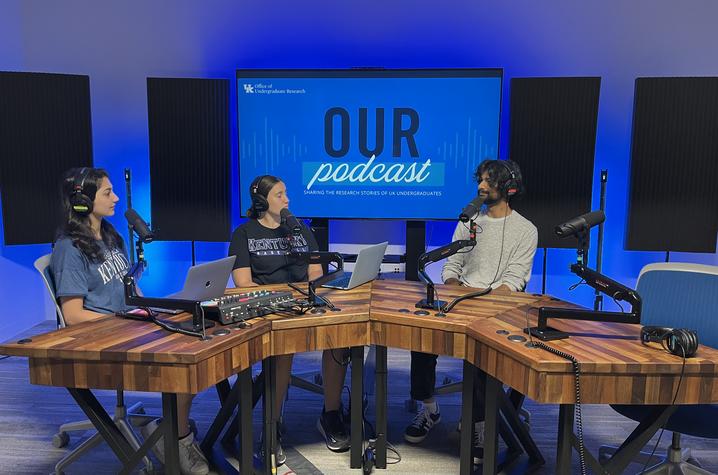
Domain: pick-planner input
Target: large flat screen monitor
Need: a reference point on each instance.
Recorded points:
(385, 144)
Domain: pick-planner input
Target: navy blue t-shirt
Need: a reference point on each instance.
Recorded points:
(99, 283)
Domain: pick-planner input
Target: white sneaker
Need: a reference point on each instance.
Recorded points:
(191, 458)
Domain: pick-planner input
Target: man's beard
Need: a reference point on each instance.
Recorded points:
(492, 200)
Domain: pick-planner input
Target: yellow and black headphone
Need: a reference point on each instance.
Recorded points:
(79, 199)
(259, 202)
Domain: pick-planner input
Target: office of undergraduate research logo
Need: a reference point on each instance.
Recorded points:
(269, 89)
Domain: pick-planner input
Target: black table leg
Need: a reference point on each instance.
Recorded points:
(245, 421)
(491, 436)
(226, 410)
(512, 418)
(171, 432)
(466, 459)
(257, 393)
(565, 431)
(381, 422)
(223, 388)
(103, 423)
(640, 436)
(357, 357)
(270, 427)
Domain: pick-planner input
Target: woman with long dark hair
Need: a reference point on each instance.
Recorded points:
(264, 248)
(88, 263)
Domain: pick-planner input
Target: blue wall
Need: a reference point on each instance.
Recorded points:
(119, 44)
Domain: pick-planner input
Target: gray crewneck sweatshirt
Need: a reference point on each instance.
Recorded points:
(501, 256)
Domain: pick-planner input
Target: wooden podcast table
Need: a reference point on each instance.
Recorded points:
(615, 367)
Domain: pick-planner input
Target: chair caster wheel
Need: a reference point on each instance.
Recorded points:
(411, 406)
(60, 439)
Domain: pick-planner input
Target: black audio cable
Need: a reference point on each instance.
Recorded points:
(480, 293)
(152, 317)
(577, 387)
(306, 294)
(577, 406)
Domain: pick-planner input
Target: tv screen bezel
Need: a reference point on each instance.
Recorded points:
(369, 72)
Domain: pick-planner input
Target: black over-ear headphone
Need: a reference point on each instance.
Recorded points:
(81, 203)
(677, 341)
(511, 186)
(259, 202)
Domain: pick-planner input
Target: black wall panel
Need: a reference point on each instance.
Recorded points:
(673, 203)
(553, 138)
(189, 158)
(45, 129)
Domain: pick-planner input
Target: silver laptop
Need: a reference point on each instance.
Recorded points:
(206, 281)
(367, 267)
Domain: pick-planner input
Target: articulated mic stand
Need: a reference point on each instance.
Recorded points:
(321, 257)
(194, 328)
(599, 282)
(436, 255)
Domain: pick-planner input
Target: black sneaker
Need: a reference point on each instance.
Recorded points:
(421, 425)
(477, 449)
(330, 425)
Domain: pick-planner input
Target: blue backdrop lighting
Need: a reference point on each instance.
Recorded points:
(120, 44)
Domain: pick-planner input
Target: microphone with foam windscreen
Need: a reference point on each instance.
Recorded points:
(580, 223)
(144, 233)
(472, 208)
(290, 221)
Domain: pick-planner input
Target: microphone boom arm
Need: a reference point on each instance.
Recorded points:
(436, 255)
(600, 282)
(198, 323)
(321, 257)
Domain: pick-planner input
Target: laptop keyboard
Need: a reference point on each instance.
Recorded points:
(342, 281)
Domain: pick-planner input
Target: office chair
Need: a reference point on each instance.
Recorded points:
(125, 418)
(678, 295)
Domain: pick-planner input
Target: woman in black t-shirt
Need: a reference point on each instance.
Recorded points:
(263, 248)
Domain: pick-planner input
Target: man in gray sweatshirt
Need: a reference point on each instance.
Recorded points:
(502, 259)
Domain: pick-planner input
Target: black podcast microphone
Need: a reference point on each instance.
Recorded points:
(580, 223)
(290, 221)
(472, 208)
(144, 233)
